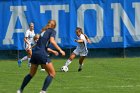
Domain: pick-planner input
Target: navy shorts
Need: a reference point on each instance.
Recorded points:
(40, 59)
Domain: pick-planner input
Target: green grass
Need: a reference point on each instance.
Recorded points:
(100, 75)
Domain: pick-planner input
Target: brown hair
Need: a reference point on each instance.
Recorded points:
(80, 30)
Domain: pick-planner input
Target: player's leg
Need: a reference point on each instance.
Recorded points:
(51, 74)
(72, 56)
(22, 59)
(29, 52)
(81, 62)
(28, 77)
(42, 69)
(81, 59)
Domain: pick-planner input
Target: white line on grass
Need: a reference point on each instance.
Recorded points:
(125, 86)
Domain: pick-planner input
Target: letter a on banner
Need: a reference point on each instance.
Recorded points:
(17, 12)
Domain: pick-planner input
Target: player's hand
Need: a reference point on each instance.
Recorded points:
(62, 53)
(28, 48)
(75, 40)
(56, 53)
(89, 41)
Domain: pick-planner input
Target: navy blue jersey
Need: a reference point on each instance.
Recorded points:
(40, 55)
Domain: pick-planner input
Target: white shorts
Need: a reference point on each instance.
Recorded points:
(26, 46)
(83, 53)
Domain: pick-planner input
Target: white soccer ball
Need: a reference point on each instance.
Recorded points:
(64, 68)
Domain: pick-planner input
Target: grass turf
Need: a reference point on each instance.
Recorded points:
(99, 75)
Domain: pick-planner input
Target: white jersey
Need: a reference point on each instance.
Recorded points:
(30, 35)
(82, 46)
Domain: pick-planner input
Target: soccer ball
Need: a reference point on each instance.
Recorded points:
(64, 68)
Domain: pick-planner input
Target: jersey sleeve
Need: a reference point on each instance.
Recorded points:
(82, 37)
(53, 34)
(27, 33)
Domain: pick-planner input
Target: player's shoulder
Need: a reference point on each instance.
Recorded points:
(50, 30)
(82, 36)
(28, 30)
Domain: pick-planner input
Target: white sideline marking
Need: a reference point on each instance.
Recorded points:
(88, 76)
(125, 86)
(79, 88)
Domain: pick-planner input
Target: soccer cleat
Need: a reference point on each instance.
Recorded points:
(19, 63)
(80, 69)
(19, 91)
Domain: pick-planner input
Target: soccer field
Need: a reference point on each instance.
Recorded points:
(99, 75)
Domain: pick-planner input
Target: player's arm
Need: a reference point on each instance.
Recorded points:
(27, 42)
(52, 51)
(88, 40)
(33, 46)
(79, 41)
(52, 40)
(26, 38)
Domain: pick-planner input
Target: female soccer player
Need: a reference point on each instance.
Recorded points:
(36, 37)
(29, 36)
(81, 49)
(40, 57)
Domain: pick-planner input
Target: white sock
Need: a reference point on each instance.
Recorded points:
(24, 58)
(29, 64)
(42, 69)
(80, 66)
(68, 62)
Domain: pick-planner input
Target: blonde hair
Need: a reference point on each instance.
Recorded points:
(31, 24)
(47, 26)
(36, 37)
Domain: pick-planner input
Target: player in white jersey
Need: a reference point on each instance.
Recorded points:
(81, 49)
(29, 41)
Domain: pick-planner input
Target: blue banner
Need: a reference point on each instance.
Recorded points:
(108, 23)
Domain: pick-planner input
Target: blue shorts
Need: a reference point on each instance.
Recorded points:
(40, 59)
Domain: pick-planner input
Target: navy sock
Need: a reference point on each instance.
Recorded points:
(25, 81)
(47, 82)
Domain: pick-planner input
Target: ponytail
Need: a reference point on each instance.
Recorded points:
(80, 30)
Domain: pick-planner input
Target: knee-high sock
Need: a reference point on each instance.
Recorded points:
(29, 64)
(68, 62)
(80, 66)
(47, 82)
(24, 58)
(26, 81)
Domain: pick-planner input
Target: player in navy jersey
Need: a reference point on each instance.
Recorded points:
(40, 57)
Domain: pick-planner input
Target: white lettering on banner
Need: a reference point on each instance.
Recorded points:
(119, 13)
(55, 15)
(136, 36)
(80, 20)
(17, 12)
